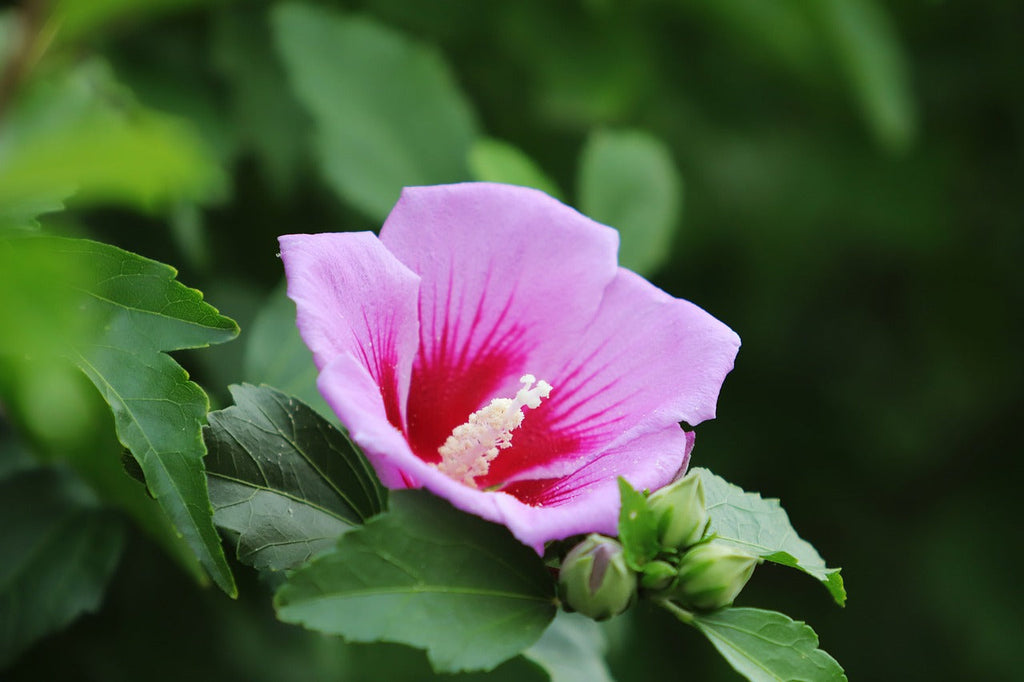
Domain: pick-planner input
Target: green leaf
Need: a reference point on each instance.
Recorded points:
(374, 140)
(284, 483)
(629, 181)
(761, 526)
(492, 160)
(769, 646)
(59, 550)
(75, 18)
(638, 527)
(862, 37)
(429, 576)
(142, 310)
(275, 354)
(572, 650)
(82, 134)
(263, 115)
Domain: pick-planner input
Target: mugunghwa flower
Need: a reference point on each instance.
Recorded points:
(488, 347)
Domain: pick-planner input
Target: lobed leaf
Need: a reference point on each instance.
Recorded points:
(60, 549)
(432, 577)
(141, 310)
(761, 526)
(284, 483)
(768, 646)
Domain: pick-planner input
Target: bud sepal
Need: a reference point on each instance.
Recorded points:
(711, 575)
(595, 580)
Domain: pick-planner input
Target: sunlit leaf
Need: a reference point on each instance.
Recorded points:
(427, 575)
(373, 140)
(284, 483)
(81, 135)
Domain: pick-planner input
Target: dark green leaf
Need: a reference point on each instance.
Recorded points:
(861, 34)
(638, 527)
(275, 354)
(769, 646)
(761, 526)
(492, 160)
(142, 310)
(629, 181)
(571, 650)
(263, 116)
(374, 140)
(429, 576)
(59, 551)
(284, 483)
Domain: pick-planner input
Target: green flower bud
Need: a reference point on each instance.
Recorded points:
(595, 579)
(712, 574)
(681, 512)
(657, 575)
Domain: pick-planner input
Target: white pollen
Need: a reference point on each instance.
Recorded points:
(472, 447)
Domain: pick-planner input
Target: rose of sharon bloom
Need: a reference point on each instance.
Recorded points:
(488, 347)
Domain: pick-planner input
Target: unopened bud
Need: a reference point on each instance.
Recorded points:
(657, 575)
(681, 512)
(595, 579)
(711, 575)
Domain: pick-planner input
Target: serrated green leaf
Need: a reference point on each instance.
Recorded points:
(761, 526)
(284, 483)
(374, 140)
(572, 650)
(276, 355)
(768, 646)
(638, 527)
(629, 181)
(141, 311)
(432, 577)
(60, 550)
(492, 160)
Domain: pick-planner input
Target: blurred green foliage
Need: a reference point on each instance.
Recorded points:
(852, 208)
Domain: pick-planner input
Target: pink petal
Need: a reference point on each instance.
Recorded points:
(585, 502)
(647, 361)
(509, 280)
(356, 300)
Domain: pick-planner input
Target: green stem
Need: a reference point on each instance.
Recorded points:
(676, 610)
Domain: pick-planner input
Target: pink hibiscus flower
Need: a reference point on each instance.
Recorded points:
(488, 347)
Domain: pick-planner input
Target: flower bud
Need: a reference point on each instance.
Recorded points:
(681, 512)
(657, 575)
(595, 579)
(711, 575)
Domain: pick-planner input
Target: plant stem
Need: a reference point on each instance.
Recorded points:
(676, 610)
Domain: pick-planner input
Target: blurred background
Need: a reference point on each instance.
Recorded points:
(840, 181)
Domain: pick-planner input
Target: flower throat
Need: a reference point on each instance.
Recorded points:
(469, 451)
